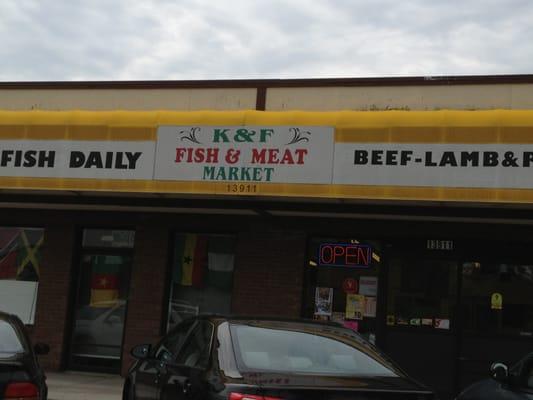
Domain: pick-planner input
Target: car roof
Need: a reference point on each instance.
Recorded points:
(247, 318)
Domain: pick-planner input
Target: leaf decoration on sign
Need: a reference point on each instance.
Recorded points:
(190, 135)
(298, 135)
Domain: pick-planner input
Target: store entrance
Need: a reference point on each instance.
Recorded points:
(421, 303)
(101, 301)
(341, 283)
(455, 307)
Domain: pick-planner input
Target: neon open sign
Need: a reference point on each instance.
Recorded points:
(344, 255)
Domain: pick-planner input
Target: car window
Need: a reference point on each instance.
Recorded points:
(196, 351)
(10, 343)
(171, 344)
(305, 349)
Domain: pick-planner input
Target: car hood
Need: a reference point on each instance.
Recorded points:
(325, 382)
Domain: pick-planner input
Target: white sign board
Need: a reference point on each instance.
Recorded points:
(434, 165)
(19, 298)
(275, 154)
(77, 159)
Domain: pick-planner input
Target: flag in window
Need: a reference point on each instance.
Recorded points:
(221, 260)
(190, 260)
(19, 253)
(105, 280)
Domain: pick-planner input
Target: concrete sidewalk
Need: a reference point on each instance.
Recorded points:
(83, 386)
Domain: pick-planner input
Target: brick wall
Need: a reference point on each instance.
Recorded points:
(147, 289)
(53, 295)
(269, 274)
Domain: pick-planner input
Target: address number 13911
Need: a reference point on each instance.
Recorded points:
(241, 188)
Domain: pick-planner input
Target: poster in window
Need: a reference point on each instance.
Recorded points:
(442, 323)
(370, 307)
(368, 285)
(355, 306)
(496, 301)
(353, 325)
(323, 301)
(337, 317)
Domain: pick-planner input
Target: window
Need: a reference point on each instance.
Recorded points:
(170, 346)
(497, 298)
(101, 299)
(20, 263)
(102, 238)
(305, 349)
(202, 276)
(196, 351)
(341, 282)
(422, 293)
(10, 343)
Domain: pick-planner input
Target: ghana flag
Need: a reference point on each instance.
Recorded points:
(190, 259)
(104, 280)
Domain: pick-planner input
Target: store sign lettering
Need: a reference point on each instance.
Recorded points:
(278, 154)
(231, 156)
(457, 165)
(77, 159)
(104, 160)
(344, 255)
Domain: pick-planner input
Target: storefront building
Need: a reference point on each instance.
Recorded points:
(411, 226)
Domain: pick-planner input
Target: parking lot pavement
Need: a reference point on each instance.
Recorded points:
(83, 386)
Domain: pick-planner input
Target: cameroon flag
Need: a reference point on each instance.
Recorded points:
(190, 259)
(104, 280)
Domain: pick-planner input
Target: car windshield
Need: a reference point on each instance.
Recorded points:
(306, 348)
(10, 343)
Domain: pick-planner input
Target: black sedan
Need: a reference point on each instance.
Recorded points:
(210, 357)
(20, 374)
(515, 383)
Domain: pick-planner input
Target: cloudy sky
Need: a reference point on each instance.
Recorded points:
(210, 39)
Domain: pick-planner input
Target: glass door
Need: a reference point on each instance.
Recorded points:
(421, 299)
(497, 314)
(100, 310)
(342, 283)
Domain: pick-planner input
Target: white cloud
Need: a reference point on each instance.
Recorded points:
(203, 39)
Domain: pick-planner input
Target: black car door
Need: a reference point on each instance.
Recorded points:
(148, 373)
(183, 377)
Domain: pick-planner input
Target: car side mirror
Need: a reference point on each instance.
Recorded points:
(41, 349)
(141, 352)
(499, 372)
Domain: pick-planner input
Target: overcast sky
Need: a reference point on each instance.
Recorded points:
(210, 39)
